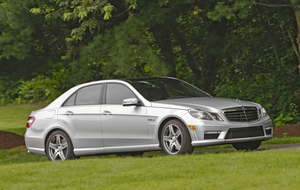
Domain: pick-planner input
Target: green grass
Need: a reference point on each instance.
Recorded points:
(274, 141)
(235, 170)
(19, 155)
(13, 119)
(284, 140)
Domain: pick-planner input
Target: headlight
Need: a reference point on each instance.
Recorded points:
(200, 114)
(263, 112)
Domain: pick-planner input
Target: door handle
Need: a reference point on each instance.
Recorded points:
(106, 112)
(69, 113)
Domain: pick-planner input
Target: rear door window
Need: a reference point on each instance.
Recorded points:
(89, 95)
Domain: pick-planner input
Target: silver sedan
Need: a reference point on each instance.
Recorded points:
(131, 116)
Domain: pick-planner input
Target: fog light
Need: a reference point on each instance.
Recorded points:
(212, 132)
(268, 130)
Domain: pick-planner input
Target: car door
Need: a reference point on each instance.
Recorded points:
(81, 115)
(122, 125)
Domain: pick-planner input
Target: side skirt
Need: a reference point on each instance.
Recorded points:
(116, 149)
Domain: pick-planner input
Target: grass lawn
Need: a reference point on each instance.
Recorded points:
(13, 119)
(273, 169)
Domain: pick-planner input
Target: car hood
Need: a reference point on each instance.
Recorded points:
(212, 104)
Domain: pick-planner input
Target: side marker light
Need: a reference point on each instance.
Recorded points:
(192, 127)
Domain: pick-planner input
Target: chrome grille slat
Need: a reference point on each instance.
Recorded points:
(241, 114)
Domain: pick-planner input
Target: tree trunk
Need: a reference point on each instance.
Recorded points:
(187, 52)
(270, 34)
(162, 35)
(297, 15)
(294, 5)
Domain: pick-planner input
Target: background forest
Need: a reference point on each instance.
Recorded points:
(235, 48)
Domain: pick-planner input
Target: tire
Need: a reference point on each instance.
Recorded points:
(131, 154)
(252, 145)
(59, 146)
(175, 138)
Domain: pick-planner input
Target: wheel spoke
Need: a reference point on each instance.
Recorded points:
(53, 146)
(61, 155)
(57, 139)
(177, 145)
(178, 134)
(171, 130)
(64, 145)
(56, 153)
(167, 138)
(170, 146)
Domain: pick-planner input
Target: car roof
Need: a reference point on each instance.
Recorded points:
(130, 80)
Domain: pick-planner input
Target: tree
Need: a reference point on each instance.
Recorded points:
(243, 7)
(263, 72)
(29, 45)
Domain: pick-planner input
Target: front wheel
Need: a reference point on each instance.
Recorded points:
(175, 138)
(252, 145)
(59, 146)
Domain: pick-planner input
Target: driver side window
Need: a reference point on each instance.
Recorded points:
(116, 93)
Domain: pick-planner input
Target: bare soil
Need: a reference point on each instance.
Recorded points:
(10, 140)
(287, 130)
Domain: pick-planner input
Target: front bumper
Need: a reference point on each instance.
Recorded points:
(211, 142)
(209, 133)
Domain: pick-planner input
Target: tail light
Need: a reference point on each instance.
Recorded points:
(30, 121)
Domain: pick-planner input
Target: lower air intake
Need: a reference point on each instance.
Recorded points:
(234, 133)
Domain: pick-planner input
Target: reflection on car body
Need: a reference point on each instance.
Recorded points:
(131, 116)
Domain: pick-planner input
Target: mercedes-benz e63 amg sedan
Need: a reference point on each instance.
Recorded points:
(131, 116)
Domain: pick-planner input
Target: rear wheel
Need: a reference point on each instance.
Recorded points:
(59, 146)
(175, 138)
(252, 145)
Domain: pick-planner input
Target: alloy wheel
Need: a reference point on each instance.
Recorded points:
(58, 147)
(172, 139)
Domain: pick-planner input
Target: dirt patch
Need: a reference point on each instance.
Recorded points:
(287, 130)
(10, 140)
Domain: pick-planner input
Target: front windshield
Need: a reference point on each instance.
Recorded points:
(154, 89)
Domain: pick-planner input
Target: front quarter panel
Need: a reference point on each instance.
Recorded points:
(156, 116)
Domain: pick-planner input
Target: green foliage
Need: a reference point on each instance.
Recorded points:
(33, 90)
(261, 72)
(292, 115)
(248, 55)
(231, 10)
(86, 12)
(8, 90)
(283, 120)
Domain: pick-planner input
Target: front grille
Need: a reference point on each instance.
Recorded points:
(234, 133)
(241, 114)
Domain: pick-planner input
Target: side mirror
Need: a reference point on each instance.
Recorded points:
(131, 102)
